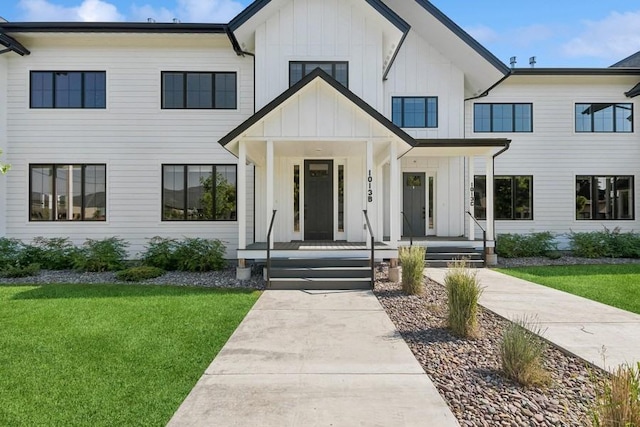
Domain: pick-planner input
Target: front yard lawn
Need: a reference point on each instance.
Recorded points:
(615, 285)
(108, 354)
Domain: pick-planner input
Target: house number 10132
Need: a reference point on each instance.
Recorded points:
(370, 187)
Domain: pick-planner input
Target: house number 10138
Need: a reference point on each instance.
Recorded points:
(370, 187)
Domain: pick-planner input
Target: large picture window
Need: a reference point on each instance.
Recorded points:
(59, 192)
(513, 197)
(604, 117)
(68, 89)
(502, 118)
(199, 192)
(337, 70)
(199, 90)
(415, 111)
(604, 197)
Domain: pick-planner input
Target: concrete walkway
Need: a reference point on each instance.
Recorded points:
(315, 359)
(576, 324)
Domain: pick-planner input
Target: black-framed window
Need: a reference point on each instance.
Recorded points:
(415, 111)
(199, 192)
(339, 70)
(604, 117)
(503, 117)
(604, 197)
(68, 89)
(512, 197)
(67, 192)
(199, 90)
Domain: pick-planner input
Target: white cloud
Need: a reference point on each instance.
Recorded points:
(483, 34)
(217, 11)
(612, 38)
(88, 11)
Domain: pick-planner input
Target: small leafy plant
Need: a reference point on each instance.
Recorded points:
(618, 403)
(412, 260)
(55, 253)
(101, 255)
(15, 271)
(10, 252)
(607, 243)
(140, 273)
(524, 245)
(463, 291)
(161, 252)
(522, 353)
(196, 254)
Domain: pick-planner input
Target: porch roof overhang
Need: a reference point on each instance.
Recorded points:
(635, 91)
(231, 140)
(459, 147)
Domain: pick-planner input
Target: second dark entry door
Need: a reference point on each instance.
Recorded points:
(318, 199)
(414, 205)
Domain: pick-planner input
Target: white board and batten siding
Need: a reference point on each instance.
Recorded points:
(3, 143)
(133, 136)
(555, 154)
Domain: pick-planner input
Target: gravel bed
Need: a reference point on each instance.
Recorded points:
(467, 372)
(213, 279)
(564, 260)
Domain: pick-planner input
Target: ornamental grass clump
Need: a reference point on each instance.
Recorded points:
(463, 291)
(618, 403)
(522, 353)
(412, 260)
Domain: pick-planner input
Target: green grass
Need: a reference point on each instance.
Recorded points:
(109, 354)
(615, 285)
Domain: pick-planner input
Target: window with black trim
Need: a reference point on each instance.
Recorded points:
(604, 197)
(503, 117)
(415, 111)
(199, 192)
(68, 89)
(604, 117)
(199, 90)
(339, 70)
(67, 192)
(513, 197)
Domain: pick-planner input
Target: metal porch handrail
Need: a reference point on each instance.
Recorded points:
(273, 217)
(410, 228)
(484, 238)
(373, 245)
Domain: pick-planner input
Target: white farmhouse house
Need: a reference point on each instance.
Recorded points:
(330, 113)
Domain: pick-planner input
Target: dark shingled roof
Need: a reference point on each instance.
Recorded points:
(632, 61)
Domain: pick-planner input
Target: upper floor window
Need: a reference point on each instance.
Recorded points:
(604, 197)
(75, 192)
(604, 117)
(502, 118)
(415, 111)
(513, 197)
(338, 70)
(199, 90)
(68, 89)
(199, 192)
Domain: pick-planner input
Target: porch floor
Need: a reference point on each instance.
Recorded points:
(317, 246)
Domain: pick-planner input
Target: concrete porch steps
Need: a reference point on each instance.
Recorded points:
(442, 256)
(320, 274)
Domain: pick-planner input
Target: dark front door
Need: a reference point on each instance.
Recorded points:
(414, 206)
(318, 199)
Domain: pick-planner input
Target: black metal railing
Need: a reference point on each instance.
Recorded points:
(373, 250)
(410, 228)
(484, 238)
(273, 217)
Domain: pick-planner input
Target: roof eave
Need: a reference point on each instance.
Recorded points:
(110, 27)
(13, 45)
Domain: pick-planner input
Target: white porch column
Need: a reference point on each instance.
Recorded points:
(489, 190)
(242, 195)
(471, 201)
(270, 179)
(395, 220)
(370, 192)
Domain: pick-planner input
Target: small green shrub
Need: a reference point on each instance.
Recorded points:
(524, 245)
(55, 253)
(522, 353)
(618, 404)
(10, 252)
(161, 252)
(605, 244)
(463, 291)
(553, 254)
(138, 274)
(196, 254)
(412, 260)
(15, 271)
(101, 255)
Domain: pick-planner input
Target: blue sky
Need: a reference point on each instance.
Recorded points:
(560, 33)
